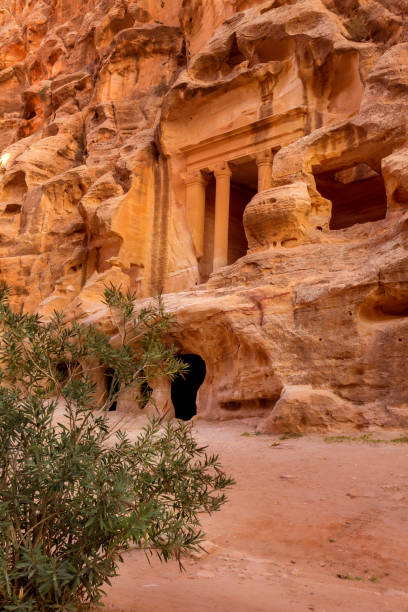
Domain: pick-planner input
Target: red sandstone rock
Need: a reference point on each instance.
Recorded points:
(115, 120)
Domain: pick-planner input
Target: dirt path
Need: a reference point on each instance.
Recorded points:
(309, 526)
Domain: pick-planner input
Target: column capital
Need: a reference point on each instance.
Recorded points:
(222, 169)
(264, 158)
(190, 178)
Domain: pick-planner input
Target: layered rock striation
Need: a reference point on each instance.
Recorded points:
(247, 159)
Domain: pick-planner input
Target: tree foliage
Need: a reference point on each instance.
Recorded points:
(73, 495)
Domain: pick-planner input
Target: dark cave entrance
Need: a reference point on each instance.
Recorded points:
(357, 195)
(66, 370)
(184, 388)
(62, 371)
(112, 388)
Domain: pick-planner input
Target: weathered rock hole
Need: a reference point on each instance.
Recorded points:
(36, 72)
(75, 228)
(185, 387)
(51, 130)
(75, 268)
(29, 110)
(357, 195)
(235, 55)
(99, 115)
(54, 56)
(123, 177)
(386, 303)
(395, 310)
(271, 50)
(64, 369)
(13, 209)
(400, 195)
(16, 187)
(112, 387)
(289, 243)
(117, 24)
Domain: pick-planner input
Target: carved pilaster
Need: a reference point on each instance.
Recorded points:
(222, 173)
(264, 161)
(195, 208)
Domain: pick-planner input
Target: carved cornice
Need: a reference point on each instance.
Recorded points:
(269, 133)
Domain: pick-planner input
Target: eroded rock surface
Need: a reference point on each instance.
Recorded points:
(249, 160)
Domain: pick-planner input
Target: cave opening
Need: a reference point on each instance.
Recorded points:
(387, 302)
(67, 371)
(357, 195)
(235, 55)
(184, 387)
(15, 188)
(112, 386)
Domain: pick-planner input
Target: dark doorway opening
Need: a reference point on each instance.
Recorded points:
(62, 371)
(357, 195)
(237, 240)
(185, 387)
(65, 370)
(112, 388)
(205, 264)
(244, 185)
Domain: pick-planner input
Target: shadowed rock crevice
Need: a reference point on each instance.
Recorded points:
(357, 195)
(386, 303)
(15, 187)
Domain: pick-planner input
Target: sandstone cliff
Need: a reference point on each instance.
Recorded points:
(249, 159)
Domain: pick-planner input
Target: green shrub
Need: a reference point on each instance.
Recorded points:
(73, 497)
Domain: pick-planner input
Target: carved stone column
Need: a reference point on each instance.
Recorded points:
(195, 203)
(264, 162)
(222, 175)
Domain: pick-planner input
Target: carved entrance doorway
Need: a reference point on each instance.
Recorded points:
(184, 388)
(242, 176)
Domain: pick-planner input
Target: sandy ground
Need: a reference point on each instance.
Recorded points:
(310, 525)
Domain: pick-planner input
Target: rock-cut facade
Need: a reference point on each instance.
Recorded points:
(246, 159)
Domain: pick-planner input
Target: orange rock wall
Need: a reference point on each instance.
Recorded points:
(105, 107)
